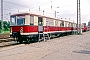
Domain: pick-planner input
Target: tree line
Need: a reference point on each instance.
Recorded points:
(6, 25)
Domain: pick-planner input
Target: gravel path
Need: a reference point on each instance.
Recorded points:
(73, 47)
(4, 35)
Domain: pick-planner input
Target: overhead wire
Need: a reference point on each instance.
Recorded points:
(23, 6)
(14, 4)
(9, 10)
(65, 6)
(33, 7)
(26, 6)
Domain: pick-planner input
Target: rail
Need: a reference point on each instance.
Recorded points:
(4, 40)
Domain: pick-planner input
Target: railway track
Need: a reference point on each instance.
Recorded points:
(5, 40)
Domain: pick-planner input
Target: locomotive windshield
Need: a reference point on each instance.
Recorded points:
(13, 21)
(17, 20)
(20, 20)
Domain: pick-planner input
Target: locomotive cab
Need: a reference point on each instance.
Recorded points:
(26, 25)
(16, 23)
(16, 26)
(30, 26)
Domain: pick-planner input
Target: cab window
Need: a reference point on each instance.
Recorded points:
(20, 20)
(31, 20)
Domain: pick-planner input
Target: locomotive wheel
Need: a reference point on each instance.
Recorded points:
(20, 41)
(28, 41)
(36, 39)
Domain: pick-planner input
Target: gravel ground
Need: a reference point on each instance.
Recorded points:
(4, 35)
(73, 47)
(6, 44)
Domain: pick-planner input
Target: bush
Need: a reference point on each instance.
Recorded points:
(0, 30)
(6, 26)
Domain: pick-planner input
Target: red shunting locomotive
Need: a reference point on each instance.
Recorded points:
(30, 26)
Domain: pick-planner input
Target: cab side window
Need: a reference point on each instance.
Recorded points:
(31, 20)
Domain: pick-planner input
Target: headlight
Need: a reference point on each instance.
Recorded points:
(21, 30)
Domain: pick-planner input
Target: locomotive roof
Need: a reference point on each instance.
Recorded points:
(35, 14)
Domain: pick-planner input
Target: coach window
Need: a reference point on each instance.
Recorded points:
(56, 23)
(51, 22)
(69, 24)
(47, 21)
(31, 20)
(13, 20)
(62, 23)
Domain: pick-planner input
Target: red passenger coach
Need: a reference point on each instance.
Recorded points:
(88, 28)
(84, 28)
(30, 26)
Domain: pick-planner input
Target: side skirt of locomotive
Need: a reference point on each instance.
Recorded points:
(24, 37)
(28, 38)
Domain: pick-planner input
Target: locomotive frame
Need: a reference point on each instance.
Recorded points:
(31, 26)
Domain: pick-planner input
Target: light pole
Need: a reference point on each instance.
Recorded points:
(78, 18)
(56, 14)
(43, 12)
(2, 15)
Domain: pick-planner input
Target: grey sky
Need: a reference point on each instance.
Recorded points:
(67, 8)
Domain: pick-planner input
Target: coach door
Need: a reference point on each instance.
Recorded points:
(40, 28)
(40, 25)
